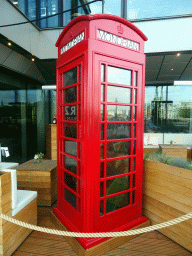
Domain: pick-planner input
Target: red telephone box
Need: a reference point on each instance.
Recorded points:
(100, 118)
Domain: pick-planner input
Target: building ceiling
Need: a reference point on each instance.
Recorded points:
(165, 68)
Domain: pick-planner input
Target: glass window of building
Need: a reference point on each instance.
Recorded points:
(43, 8)
(168, 109)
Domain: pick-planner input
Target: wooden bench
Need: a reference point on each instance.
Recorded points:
(25, 209)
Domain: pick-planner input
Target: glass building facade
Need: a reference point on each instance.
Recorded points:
(168, 109)
(41, 9)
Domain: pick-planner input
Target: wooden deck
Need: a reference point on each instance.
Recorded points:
(149, 244)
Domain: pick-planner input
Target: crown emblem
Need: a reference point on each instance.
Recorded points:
(71, 34)
(120, 29)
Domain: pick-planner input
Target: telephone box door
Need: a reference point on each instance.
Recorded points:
(119, 128)
(69, 140)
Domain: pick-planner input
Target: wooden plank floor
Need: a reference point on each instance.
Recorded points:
(149, 244)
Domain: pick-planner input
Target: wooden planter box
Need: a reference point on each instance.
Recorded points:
(51, 141)
(174, 150)
(168, 195)
(40, 177)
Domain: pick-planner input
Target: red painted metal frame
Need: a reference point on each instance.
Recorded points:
(90, 53)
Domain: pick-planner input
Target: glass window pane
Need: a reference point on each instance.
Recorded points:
(102, 92)
(118, 94)
(101, 169)
(102, 112)
(102, 72)
(48, 8)
(71, 95)
(118, 184)
(135, 114)
(101, 207)
(133, 196)
(134, 147)
(119, 75)
(134, 164)
(134, 130)
(101, 189)
(71, 113)
(135, 96)
(70, 198)
(71, 164)
(70, 181)
(70, 130)
(118, 131)
(66, 15)
(117, 202)
(102, 151)
(117, 149)
(118, 113)
(135, 78)
(133, 183)
(71, 147)
(117, 167)
(70, 77)
(102, 131)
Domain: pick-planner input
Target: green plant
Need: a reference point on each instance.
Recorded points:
(38, 157)
(180, 162)
(174, 161)
(157, 157)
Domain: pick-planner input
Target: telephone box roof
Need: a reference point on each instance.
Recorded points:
(97, 17)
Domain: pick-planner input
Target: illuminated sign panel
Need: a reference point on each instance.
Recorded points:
(73, 42)
(117, 40)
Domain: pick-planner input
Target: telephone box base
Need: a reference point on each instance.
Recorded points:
(97, 246)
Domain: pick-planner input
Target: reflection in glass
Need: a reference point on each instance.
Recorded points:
(102, 72)
(117, 167)
(71, 112)
(134, 147)
(102, 112)
(133, 183)
(119, 75)
(135, 114)
(133, 196)
(101, 189)
(102, 131)
(117, 149)
(71, 147)
(70, 77)
(117, 202)
(102, 92)
(168, 109)
(118, 184)
(71, 95)
(118, 94)
(71, 164)
(135, 96)
(118, 113)
(118, 131)
(135, 78)
(134, 164)
(102, 151)
(101, 207)
(134, 130)
(70, 130)
(70, 198)
(102, 170)
(70, 181)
